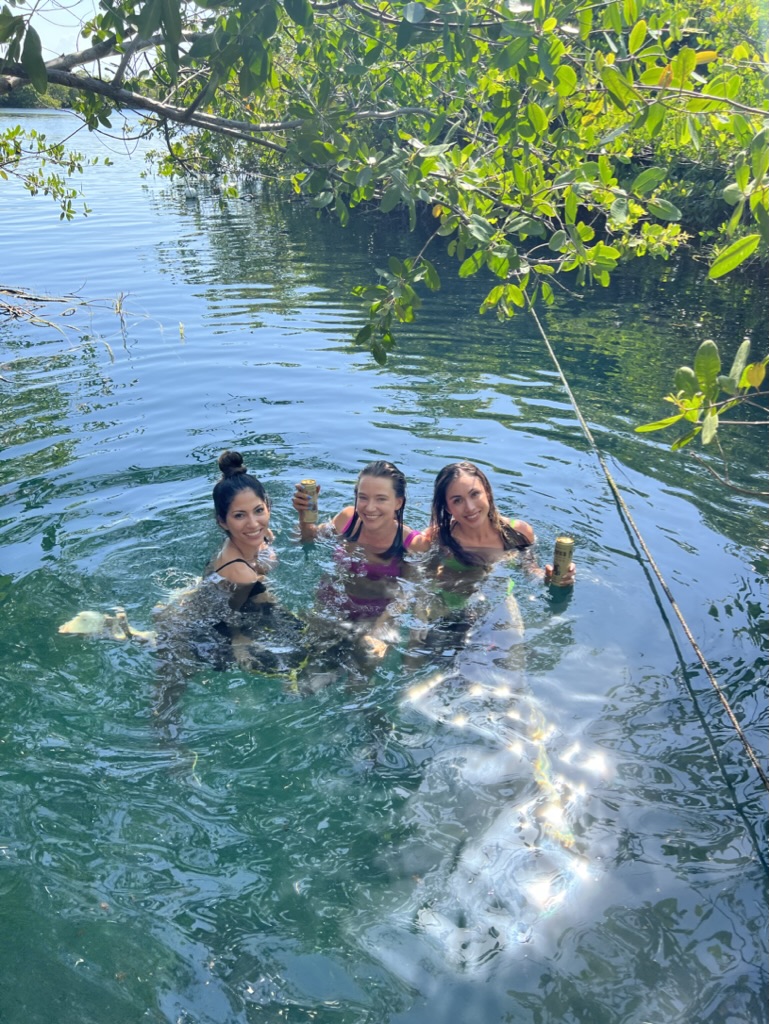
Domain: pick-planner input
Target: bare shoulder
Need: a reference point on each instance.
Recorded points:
(341, 519)
(421, 541)
(240, 573)
(524, 529)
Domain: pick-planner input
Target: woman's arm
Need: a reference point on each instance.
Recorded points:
(310, 531)
(422, 541)
(301, 502)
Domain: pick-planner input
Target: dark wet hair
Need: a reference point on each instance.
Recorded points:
(234, 478)
(441, 516)
(386, 471)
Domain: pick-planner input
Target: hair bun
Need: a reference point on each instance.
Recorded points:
(231, 463)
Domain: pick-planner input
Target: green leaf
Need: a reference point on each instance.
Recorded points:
(379, 352)
(149, 19)
(512, 54)
(299, 11)
(390, 200)
(648, 180)
(172, 22)
(537, 117)
(637, 36)
(682, 441)
(480, 228)
(733, 256)
(363, 336)
(663, 210)
(659, 424)
(740, 362)
(686, 382)
(432, 278)
(404, 34)
(32, 60)
(707, 366)
(684, 62)
(557, 240)
(565, 80)
(709, 426)
(619, 88)
(472, 264)
(619, 210)
(762, 219)
(753, 375)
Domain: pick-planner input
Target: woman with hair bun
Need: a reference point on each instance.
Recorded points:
(242, 510)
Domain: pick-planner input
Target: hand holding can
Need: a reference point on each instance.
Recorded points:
(562, 576)
(310, 512)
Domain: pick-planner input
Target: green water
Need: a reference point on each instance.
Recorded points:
(582, 841)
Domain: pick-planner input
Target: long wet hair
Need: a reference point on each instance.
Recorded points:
(385, 471)
(235, 478)
(441, 518)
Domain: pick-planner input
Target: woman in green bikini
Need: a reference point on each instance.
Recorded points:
(467, 525)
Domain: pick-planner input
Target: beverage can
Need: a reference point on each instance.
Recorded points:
(562, 557)
(310, 514)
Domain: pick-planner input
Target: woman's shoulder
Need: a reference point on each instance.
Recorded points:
(342, 519)
(522, 528)
(418, 540)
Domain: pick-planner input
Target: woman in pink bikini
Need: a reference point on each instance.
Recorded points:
(372, 542)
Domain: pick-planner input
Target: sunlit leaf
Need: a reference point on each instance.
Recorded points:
(637, 36)
(733, 256)
(659, 424)
(753, 375)
(709, 426)
(707, 366)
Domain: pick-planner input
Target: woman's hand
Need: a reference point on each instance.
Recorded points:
(301, 499)
(567, 580)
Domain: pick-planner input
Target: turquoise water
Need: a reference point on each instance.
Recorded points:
(456, 838)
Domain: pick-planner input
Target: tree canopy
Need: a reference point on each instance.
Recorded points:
(540, 143)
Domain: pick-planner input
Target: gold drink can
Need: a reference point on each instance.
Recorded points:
(310, 488)
(562, 556)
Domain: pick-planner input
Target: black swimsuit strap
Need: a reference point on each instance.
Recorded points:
(232, 562)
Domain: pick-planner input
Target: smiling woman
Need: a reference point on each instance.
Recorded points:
(243, 512)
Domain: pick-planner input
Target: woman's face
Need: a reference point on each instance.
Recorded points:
(248, 519)
(467, 500)
(376, 502)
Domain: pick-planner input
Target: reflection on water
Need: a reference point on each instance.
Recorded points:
(534, 811)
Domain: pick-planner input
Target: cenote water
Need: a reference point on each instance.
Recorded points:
(564, 830)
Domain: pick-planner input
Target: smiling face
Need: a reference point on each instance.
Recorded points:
(248, 518)
(467, 501)
(376, 502)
